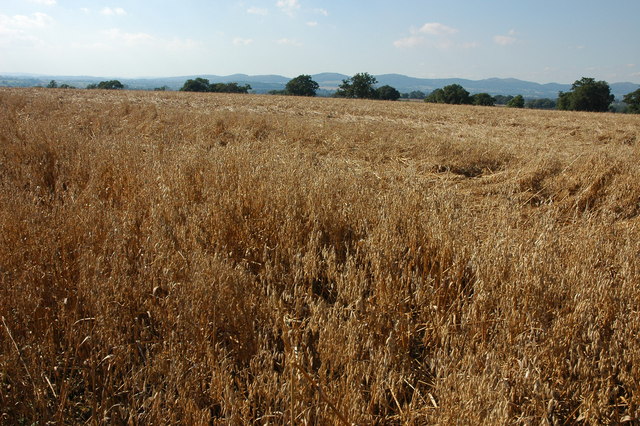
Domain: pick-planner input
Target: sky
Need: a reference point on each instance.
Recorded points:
(542, 40)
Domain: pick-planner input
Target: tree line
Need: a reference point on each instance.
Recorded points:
(360, 86)
(203, 85)
(586, 94)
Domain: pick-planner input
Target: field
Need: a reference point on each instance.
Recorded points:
(238, 259)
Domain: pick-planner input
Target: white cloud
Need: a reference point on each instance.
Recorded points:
(85, 10)
(312, 24)
(631, 65)
(408, 42)
(289, 42)
(433, 35)
(322, 12)
(503, 40)
(288, 6)
(257, 11)
(44, 2)
(115, 11)
(130, 39)
(182, 44)
(470, 45)
(239, 41)
(19, 28)
(23, 22)
(436, 28)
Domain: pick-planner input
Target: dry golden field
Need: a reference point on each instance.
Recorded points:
(234, 259)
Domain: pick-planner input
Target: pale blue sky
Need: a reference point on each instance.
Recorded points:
(542, 40)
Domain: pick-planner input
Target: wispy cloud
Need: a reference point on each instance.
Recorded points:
(288, 6)
(436, 28)
(289, 42)
(319, 11)
(44, 2)
(257, 11)
(470, 45)
(505, 40)
(130, 39)
(22, 28)
(434, 35)
(239, 41)
(411, 41)
(312, 24)
(107, 11)
(24, 22)
(180, 45)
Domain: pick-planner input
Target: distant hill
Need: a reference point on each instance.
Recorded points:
(328, 82)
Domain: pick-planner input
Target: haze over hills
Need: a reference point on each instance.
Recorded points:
(328, 82)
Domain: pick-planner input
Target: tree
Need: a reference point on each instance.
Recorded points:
(502, 99)
(586, 94)
(435, 97)
(229, 88)
(451, 94)
(197, 85)
(109, 85)
(516, 102)
(52, 85)
(564, 101)
(542, 103)
(456, 94)
(359, 86)
(387, 93)
(302, 85)
(483, 99)
(66, 86)
(203, 85)
(633, 101)
(417, 94)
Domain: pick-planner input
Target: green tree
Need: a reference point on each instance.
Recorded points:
(417, 94)
(359, 86)
(110, 85)
(435, 97)
(196, 85)
(387, 93)
(483, 99)
(502, 99)
(302, 85)
(66, 86)
(586, 94)
(456, 94)
(516, 102)
(451, 94)
(564, 101)
(633, 101)
(52, 85)
(229, 88)
(92, 86)
(542, 103)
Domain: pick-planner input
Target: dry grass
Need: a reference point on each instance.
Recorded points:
(173, 257)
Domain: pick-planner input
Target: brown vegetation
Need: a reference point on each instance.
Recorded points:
(198, 258)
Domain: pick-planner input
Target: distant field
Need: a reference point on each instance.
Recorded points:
(236, 259)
